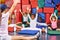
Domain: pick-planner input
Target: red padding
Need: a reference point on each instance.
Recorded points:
(58, 13)
(9, 3)
(34, 0)
(18, 17)
(34, 4)
(18, 6)
(40, 10)
(47, 18)
(58, 8)
(10, 29)
(25, 2)
(48, 10)
(24, 7)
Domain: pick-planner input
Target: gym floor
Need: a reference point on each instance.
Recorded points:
(44, 36)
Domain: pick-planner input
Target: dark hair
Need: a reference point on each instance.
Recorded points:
(3, 7)
(40, 18)
(53, 17)
(33, 15)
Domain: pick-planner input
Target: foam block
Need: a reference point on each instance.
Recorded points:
(9, 3)
(34, 10)
(56, 1)
(56, 11)
(25, 2)
(24, 7)
(41, 0)
(40, 10)
(28, 32)
(18, 17)
(42, 15)
(18, 6)
(41, 26)
(58, 8)
(34, 0)
(34, 4)
(40, 4)
(48, 1)
(10, 29)
(48, 10)
(58, 17)
(50, 5)
(2, 1)
(48, 18)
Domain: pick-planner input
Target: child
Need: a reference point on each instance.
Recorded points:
(25, 18)
(42, 26)
(33, 19)
(4, 16)
(53, 20)
(13, 19)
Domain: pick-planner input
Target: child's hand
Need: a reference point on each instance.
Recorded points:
(28, 23)
(37, 8)
(15, 11)
(49, 28)
(28, 10)
(20, 10)
(16, 1)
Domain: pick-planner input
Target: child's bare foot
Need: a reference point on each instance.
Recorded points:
(49, 28)
(58, 29)
(43, 30)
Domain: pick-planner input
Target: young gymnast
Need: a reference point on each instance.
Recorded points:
(53, 20)
(25, 18)
(4, 16)
(33, 18)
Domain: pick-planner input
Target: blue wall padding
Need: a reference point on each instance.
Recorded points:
(58, 17)
(56, 1)
(42, 15)
(50, 5)
(40, 26)
(34, 10)
(48, 1)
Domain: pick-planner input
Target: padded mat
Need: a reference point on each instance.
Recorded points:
(28, 32)
(53, 32)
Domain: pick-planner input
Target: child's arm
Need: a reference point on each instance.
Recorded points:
(49, 28)
(13, 6)
(21, 12)
(28, 23)
(51, 16)
(29, 16)
(55, 16)
(37, 12)
(28, 11)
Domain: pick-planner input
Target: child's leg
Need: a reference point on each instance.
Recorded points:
(43, 30)
(49, 28)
